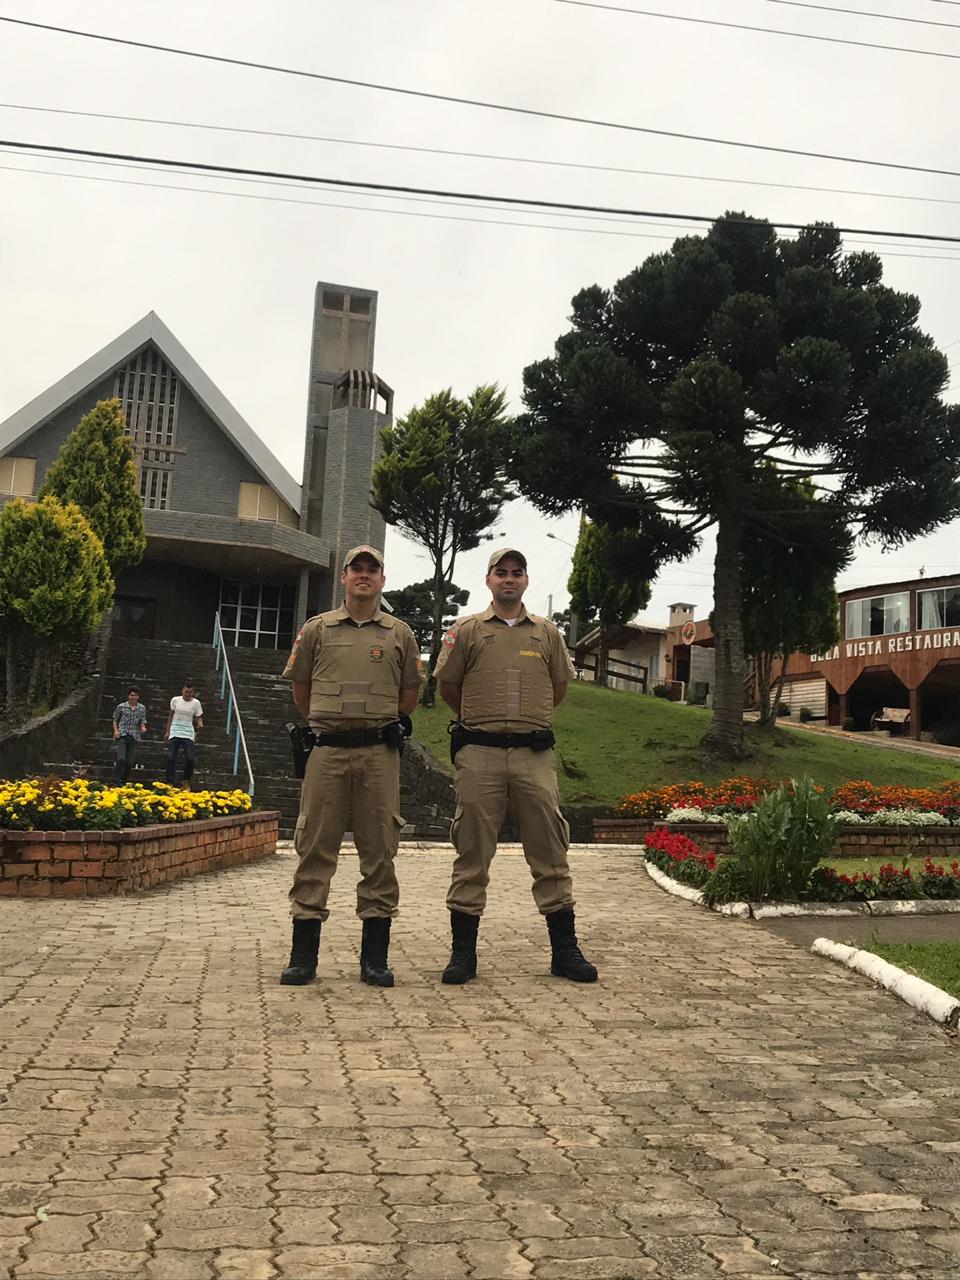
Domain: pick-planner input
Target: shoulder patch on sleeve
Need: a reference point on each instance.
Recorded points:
(450, 639)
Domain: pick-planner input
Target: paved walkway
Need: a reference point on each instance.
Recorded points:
(722, 1103)
(863, 738)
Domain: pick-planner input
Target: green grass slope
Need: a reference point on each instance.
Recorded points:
(610, 744)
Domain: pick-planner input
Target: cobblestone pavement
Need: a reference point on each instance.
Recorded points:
(721, 1103)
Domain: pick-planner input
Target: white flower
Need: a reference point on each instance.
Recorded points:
(690, 815)
(908, 818)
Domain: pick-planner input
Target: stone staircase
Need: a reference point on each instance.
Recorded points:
(159, 669)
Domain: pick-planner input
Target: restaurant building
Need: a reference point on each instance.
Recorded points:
(899, 648)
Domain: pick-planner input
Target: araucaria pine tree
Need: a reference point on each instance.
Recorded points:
(673, 392)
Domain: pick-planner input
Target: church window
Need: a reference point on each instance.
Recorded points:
(18, 476)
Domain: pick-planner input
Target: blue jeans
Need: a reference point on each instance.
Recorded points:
(189, 754)
(126, 747)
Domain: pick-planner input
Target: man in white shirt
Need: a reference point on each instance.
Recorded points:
(186, 716)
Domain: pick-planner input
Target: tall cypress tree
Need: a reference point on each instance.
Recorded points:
(440, 481)
(95, 470)
(54, 581)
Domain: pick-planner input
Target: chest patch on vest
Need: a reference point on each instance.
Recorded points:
(376, 653)
(530, 653)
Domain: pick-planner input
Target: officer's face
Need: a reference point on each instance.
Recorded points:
(507, 581)
(363, 578)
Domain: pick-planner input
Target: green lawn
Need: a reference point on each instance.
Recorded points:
(610, 744)
(938, 962)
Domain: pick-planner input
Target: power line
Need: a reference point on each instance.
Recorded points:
(292, 186)
(529, 202)
(744, 26)
(402, 213)
(479, 103)
(478, 155)
(863, 13)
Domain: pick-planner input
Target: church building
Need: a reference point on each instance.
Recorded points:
(228, 528)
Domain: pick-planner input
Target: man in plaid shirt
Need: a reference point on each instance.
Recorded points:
(129, 725)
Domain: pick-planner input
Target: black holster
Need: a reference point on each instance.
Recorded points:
(457, 734)
(302, 741)
(396, 733)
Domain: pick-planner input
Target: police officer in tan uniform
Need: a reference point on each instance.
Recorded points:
(503, 671)
(354, 670)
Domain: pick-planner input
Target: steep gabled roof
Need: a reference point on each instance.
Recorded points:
(152, 329)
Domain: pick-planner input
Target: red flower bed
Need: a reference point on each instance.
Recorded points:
(736, 795)
(866, 797)
(679, 856)
(742, 795)
(891, 881)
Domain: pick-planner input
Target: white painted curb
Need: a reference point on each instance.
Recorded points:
(739, 909)
(931, 1000)
(914, 906)
(672, 886)
(777, 910)
(875, 907)
(742, 910)
(781, 910)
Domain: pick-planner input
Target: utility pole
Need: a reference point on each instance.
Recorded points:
(574, 620)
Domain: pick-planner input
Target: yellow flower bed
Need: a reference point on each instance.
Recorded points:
(76, 804)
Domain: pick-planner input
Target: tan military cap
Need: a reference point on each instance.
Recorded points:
(363, 551)
(501, 554)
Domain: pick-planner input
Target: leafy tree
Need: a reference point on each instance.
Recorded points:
(609, 578)
(414, 604)
(789, 583)
(95, 469)
(54, 581)
(733, 350)
(440, 481)
(564, 617)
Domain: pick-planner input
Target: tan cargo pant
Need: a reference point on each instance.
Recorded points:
(488, 781)
(340, 782)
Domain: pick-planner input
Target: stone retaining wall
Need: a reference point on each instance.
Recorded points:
(853, 840)
(87, 864)
(56, 734)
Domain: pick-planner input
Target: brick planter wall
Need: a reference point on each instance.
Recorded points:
(853, 841)
(621, 830)
(87, 864)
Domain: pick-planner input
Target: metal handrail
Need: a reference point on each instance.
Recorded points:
(226, 682)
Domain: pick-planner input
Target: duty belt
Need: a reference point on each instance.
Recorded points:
(351, 737)
(304, 739)
(461, 736)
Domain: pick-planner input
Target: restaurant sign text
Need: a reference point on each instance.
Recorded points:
(891, 644)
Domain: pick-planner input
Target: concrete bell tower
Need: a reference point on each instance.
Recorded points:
(347, 408)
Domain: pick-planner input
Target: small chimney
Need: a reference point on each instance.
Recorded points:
(680, 613)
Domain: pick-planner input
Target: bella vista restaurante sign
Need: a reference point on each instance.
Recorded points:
(911, 643)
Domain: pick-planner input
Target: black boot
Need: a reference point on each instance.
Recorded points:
(463, 957)
(568, 960)
(374, 946)
(303, 955)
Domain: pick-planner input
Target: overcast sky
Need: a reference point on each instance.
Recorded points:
(460, 303)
